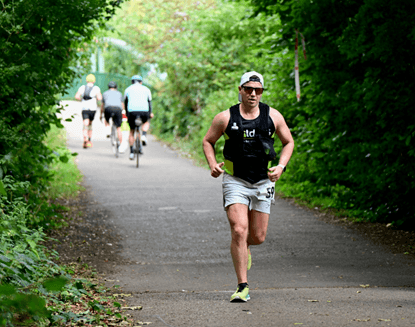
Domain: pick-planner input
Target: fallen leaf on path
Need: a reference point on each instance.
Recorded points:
(361, 320)
(139, 307)
(384, 320)
(364, 286)
(141, 323)
(122, 295)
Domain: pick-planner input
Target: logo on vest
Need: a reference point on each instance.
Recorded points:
(234, 127)
(249, 134)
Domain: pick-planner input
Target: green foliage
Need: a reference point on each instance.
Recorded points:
(203, 63)
(38, 62)
(354, 127)
(122, 59)
(66, 177)
(23, 261)
(34, 291)
(149, 25)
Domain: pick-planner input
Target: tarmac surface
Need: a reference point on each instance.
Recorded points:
(177, 265)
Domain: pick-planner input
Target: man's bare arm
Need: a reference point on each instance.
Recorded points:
(99, 96)
(213, 134)
(284, 134)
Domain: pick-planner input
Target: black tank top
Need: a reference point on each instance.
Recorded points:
(245, 151)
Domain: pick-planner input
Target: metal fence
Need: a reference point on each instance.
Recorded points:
(102, 80)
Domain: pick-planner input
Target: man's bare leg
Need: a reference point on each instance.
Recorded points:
(90, 132)
(119, 134)
(145, 126)
(239, 221)
(85, 130)
(258, 225)
(131, 137)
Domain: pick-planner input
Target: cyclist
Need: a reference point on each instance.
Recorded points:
(89, 94)
(112, 106)
(137, 100)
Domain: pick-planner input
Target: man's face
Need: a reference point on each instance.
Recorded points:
(251, 93)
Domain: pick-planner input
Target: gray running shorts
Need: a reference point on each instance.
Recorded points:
(258, 196)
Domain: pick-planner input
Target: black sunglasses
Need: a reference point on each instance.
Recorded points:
(248, 89)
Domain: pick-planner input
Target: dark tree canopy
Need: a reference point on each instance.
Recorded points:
(355, 125)
(39, 59)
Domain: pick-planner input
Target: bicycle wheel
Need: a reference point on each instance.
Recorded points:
(117, 142)
(114, 139)
(137, 147)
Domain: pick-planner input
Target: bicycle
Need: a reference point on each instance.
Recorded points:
(137, 141)
(115, 141)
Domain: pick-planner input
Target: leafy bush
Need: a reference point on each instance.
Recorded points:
(23, 262)
(204, 63)
(353, 127)
(40, 58)
(33, 289)
(39, 61)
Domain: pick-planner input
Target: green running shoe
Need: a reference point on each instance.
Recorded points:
(249, 259)
(241, 295)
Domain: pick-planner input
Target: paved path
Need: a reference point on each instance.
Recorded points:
(176, 237)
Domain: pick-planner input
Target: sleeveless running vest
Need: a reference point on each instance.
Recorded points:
(249, 144)
(87, 93)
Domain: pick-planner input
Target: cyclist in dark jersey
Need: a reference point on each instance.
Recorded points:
(112, 106)
(249, 180)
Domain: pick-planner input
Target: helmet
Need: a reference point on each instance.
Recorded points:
(136, 78)
(90, 78)
(112, 85)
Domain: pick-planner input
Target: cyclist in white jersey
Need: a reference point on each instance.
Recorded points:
(137, 100)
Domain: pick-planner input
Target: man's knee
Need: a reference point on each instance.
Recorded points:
(239, 232)
(257, 238)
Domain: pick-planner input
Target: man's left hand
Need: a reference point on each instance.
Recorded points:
(274, 173)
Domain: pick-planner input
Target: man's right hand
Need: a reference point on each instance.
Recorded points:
(216, 171)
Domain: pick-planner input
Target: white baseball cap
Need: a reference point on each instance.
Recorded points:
(252, 76)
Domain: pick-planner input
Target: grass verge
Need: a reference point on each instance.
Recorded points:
(67, 179)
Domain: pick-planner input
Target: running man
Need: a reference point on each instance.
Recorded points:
(89, 94)
(137, 100)
(248, 182)
(113, 105)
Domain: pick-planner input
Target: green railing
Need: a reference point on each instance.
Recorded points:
(102, 80)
